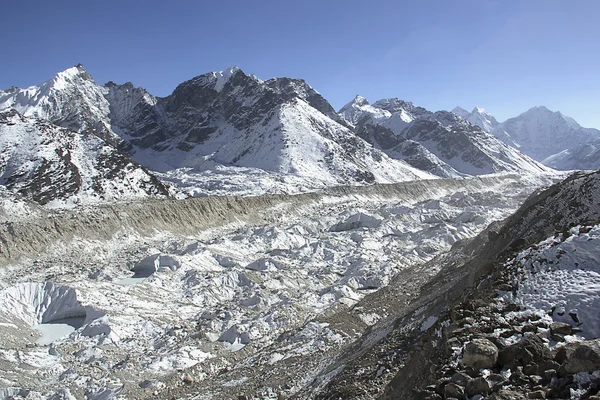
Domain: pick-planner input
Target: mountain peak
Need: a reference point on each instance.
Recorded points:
(478, 116)
(70, 75)
(461, 112)
(358, 101)
(224, 76)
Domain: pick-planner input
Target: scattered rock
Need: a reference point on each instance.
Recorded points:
(538, 394)
(531, 369)
(480, 353)
(460, 378)
(507, 394)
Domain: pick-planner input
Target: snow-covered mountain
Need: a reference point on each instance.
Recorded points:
(585, 156)
(479, 117)
(227, 122)
(43, 162)
(233, 119)
(547, 136)
(541, 133)
(441, 143)
(70, 99)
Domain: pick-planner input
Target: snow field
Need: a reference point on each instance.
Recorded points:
(560, 279)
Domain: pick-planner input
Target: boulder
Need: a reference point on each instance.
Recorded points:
(530, 349)
(584, 358)
(480, 353)
(478, 386)
(460, 378)
(561, 328)
(454, 390)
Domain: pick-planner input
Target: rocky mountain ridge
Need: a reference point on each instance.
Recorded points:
(442, 142)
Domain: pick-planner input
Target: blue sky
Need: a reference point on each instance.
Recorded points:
(503, 55)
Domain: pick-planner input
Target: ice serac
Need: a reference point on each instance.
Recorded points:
(232, 119)
(541, 133)
(442, 143)
(43, 162)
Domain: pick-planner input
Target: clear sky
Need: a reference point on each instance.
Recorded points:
(503, 55)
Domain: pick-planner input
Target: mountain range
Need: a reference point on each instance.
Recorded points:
(549, 137)
(224, 130)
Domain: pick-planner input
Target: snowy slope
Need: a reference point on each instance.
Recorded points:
(541, 133)
(585, 156)
(42, 162)
(441, 143)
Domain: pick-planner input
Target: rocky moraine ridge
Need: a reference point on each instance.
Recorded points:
(474, 334)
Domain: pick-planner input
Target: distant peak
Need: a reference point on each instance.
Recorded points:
(479, 110)
(79, 65)
(461, 112)
(393, 104)
(540, 109)
(361, 101)
(358, 101)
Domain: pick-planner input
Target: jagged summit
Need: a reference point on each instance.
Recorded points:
(478, 116)
(358, 100)
(461, 112)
